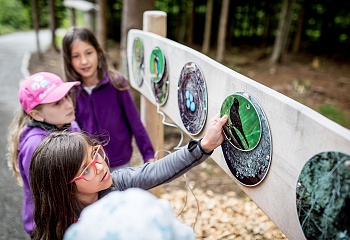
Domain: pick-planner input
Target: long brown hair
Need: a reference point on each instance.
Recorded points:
(86, 35)
(54, 163)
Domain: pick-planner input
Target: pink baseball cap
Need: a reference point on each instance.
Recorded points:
(41, 88)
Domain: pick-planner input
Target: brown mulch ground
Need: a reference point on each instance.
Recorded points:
(207, 199)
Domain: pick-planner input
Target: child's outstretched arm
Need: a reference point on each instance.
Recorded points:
(214, 136)
(173, 165)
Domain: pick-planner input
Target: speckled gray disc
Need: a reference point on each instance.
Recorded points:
(250, 167)
(323, 196)
(138, 61)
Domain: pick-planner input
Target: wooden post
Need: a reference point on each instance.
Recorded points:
(155, 22)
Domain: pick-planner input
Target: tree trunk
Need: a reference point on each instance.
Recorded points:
(35, 18)
(298, 35)
(267, 25)
(222, 30)
(182, 25)
(347, 46)
(207, 30)
(102, 23)
(52, 15)
(192, 16)
(131, 19)
(282, 31)
(73, 17)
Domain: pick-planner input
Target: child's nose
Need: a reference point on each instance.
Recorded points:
(99, 168)
(83, 59)
(68, 102)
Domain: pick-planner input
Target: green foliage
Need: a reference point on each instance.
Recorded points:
(60, 12)
(333, 113)
(16, 15)
(58, 40)
(13, 16)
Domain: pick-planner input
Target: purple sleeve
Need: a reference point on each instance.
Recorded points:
(140, 133)
(74, 127)
(25, 156)
(26, 153)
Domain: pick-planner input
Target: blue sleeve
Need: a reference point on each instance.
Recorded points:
(139, 131)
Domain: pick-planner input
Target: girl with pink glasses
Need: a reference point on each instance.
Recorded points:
(70, 171)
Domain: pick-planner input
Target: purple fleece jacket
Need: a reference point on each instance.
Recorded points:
(29, 140)
(108, 110)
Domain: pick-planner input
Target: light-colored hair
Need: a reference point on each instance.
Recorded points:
(20, 120)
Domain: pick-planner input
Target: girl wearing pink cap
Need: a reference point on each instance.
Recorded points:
(46, 107)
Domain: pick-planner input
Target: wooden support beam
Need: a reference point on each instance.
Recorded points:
(155, 22)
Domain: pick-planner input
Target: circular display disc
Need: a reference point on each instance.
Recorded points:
(138, 61)
(323, 196)
(157, 64)
(192, 98)
(251, 164)
(161, 88)
(243, 128)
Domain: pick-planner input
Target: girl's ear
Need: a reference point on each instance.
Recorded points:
(36, 115)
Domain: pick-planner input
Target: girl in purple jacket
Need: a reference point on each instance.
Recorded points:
(45, 107)
(103, 100)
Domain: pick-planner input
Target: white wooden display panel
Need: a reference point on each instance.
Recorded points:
(298, 132)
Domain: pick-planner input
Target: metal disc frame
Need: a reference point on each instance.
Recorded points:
(250, 167)
(192, 79)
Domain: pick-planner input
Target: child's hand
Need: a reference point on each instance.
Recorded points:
(150, 160)
(214, 136)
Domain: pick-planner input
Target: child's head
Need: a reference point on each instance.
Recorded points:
(129, 214)
(61, 179)
(44, 97)
(73, 160)
(82, 55)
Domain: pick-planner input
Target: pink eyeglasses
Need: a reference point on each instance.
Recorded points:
(99, 156)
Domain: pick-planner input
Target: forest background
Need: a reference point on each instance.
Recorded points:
(238, 34)
(299, 48)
